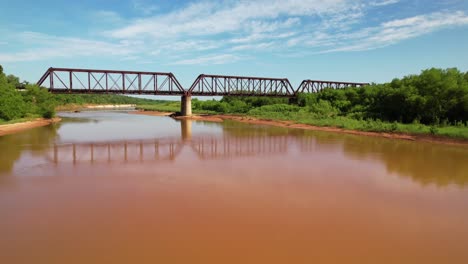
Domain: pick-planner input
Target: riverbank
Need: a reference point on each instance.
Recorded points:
(292, 124)
(392, 135)
(20, 126)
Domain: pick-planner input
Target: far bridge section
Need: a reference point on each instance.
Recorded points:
(314, 86)
(88, 81)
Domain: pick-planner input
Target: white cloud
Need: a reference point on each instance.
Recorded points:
(144, 7)
(392, 32)
(257, 46)
(232, 25)
(210, 31)
(162, 26)
(192, 45)
(50, 47)
(203, 18)
(130, 58)
(259, 26)
(107, 16)
(211, 59)
(383, 3)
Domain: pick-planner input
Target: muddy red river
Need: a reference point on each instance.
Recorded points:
(109, 187)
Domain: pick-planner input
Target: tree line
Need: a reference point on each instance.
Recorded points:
(30, 102)
(434, 97)
(34, 101)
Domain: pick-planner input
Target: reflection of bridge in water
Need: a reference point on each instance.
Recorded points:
(205, 147)
(237, 140)
(160, 150)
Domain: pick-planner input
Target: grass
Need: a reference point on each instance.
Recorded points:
(455, 132)
(163, 107)
(459, 132)
(19, 120)
(69, 107)
(171, 107)
(301, 115)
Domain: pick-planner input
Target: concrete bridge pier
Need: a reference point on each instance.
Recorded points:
(186, 105)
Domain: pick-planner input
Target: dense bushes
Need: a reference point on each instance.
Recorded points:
(434, 97)
(434, 102)
(31, 102)
(231, 104)
(39, 101)
(80, 99)
(11, 103)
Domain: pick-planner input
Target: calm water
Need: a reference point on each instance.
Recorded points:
(109, 187)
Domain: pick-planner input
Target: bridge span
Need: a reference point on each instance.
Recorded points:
(89, 81)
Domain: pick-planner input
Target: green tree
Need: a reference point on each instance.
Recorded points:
(40, 101)
(12, 105)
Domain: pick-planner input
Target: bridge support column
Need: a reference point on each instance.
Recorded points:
(186, 105)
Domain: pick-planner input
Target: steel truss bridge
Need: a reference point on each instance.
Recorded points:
(88, 81)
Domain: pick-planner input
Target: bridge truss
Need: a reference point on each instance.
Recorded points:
(314, 86)
(66, 80)
(88, 81)
(223, 85)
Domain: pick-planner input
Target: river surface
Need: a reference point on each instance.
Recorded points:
(112, 187)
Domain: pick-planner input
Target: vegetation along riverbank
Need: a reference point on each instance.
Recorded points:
(433, 103)
(33, 105)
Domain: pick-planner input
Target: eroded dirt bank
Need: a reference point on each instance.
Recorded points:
(17, 127)
(291, 124)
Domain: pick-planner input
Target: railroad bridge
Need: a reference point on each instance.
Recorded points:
(88, 81)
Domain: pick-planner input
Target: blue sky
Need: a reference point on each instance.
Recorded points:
(362, 41)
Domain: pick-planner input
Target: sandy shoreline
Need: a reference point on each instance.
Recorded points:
(291, 124)
(17, 127)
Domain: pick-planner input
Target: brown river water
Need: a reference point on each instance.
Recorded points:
(110, 187)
